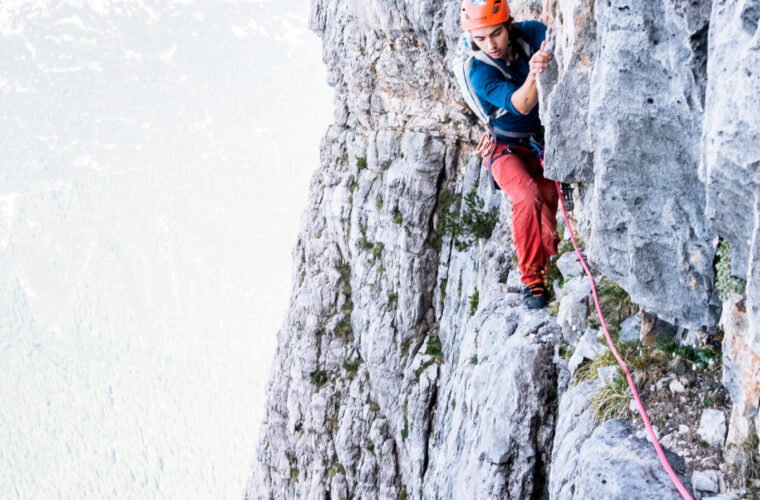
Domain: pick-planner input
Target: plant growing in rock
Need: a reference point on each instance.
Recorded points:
(747, 460)
(474, 222)
(405, 345)
(344, 330)
(364, 243)
(553, 308)
(361, 162)
(474, 301)
(724, 280)
(377, 251)
(446, 220)
(565, 351)
(352, 367)
(433, 349)
(402, 494)
(336, 468)
(611, 401)
(651, 363)
(405, 430)
(319, 378)
(616, 306)
(703, 358)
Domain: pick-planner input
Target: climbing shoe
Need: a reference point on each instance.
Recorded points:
(534, 295)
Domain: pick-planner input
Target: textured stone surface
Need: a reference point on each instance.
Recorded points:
(574, 425)
(569, 265)
(712, 427)
(741, 369)
(601, 462)
(731, 145)
(588, 347)
(573, 307)
(490, 444)
(630, 329)
(608, 374)
(705, 481)
(613, 120)
(612, 463)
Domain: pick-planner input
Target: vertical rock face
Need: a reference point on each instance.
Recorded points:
(404, 368)
(625, 119)
(731, 172)
(731, 142)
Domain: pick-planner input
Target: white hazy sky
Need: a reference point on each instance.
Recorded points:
(154, 161)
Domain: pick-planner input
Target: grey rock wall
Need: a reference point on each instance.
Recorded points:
(405, 367)
(624, 117)
(731, 142)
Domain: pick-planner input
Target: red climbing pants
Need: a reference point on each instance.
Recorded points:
(534, 208)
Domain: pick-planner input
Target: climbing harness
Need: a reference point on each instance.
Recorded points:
(663, 459)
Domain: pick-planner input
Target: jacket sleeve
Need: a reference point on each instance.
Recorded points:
(491, 87)
(533, 32)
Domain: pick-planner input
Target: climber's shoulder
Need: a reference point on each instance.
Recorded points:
(533, 32)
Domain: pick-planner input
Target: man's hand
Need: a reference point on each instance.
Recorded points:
(540, 60)
(526, 97)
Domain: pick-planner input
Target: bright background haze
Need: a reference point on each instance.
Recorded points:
(154, 161)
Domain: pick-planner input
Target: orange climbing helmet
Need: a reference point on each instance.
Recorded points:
(481, 13)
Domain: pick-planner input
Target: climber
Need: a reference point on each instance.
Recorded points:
(504, 82)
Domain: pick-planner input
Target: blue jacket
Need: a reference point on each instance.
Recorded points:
(495, 91)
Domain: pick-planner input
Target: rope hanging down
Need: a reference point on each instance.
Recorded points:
(666, 465)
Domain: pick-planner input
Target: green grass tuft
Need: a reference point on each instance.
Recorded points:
(377, 251)
(364, 243)
(319, 378)
(398, 218)
(616, 306)
(434, 348)
(474, 301)
(352, 367)
(611, 401)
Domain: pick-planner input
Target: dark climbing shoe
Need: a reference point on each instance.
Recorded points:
(534, 296)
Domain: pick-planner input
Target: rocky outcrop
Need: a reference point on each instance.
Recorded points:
(406, 365)
(624, 118)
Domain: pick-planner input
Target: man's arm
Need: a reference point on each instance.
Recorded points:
(526, 97)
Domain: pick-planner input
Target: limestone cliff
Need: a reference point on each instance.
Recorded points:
(406, 365)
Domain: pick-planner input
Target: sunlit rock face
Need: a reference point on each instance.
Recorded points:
(625, 119)
(404, 365)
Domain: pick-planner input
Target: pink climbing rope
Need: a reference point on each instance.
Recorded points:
(666, 465)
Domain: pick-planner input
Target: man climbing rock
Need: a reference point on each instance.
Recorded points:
(502, 76)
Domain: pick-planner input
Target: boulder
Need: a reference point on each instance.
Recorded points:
(712, 427)
(569, 265)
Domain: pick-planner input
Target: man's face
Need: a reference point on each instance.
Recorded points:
(493, 40)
